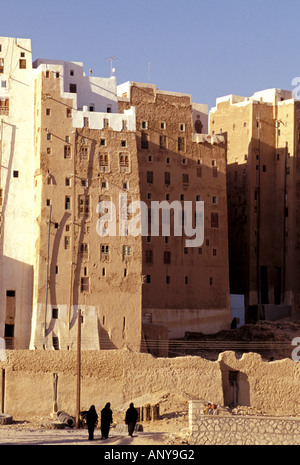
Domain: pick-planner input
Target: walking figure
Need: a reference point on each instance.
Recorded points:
(131, 419)
(106, 420)
(92, 420)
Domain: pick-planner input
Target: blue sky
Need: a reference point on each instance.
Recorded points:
(207, 48)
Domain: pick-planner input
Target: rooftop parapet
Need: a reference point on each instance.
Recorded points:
(95, 102)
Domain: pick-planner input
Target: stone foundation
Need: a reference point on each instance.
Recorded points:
(240, 430)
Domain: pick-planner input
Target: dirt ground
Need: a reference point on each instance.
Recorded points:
(170, 429)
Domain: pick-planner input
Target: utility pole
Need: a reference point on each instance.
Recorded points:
(78, 368)
(47, 270)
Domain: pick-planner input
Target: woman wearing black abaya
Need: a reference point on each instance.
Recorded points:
(131, 418)
(106, 420)
(92, 420)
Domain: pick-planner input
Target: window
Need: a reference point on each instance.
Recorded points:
(67, 242)
(215, 199)
(15, 174)
(84, 153)
(84, 250)
(84, 205)
(123, 143)
(127, 251)
(55, 313)
(103, 161)
(85, 284)
(181, 144)
(168, 279)
(67, 203)
(214, 252)
(22, 63)
(215, 220)
(167, 178)
(149, 256)
(104, 251)
(163, 142)
(68, 182)
(167, 257)
(73, 88)
(55, 342)
(102, 142)
(162, 125)
(182, 127)
(3, 83)
(144, 141)
(144, 124)
(108, 109)
(71, 72)
(69, 113)
(148, 279)
(124, 162)
(150, 177)
(86, 122)
(1, 65)
(47, 73)
(48, 111)
(186, 280)
(67, 151)
(210, 281)
(49, 136)
(105, 123)
(185, 179)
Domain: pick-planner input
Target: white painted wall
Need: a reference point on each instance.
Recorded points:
(99, 93)
(17, 211)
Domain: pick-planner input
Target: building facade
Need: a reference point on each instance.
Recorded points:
(262, 136)
(81, 157)
(178, 162)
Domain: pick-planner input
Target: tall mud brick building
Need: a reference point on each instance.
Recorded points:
(263, 185)
(69, 142)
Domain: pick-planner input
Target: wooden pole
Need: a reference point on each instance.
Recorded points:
(78, 369)
(47, 270)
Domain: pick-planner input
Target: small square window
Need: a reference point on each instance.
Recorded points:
(71, 72)
(48, 111)
(16, 174)
(148, 278)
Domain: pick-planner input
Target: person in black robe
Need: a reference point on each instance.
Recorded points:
(131, 419)
(106, 420)
(91, 420)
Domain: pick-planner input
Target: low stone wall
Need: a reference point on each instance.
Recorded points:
(240, 430)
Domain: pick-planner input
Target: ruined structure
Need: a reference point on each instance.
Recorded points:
(262, 135)
(90, 145)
